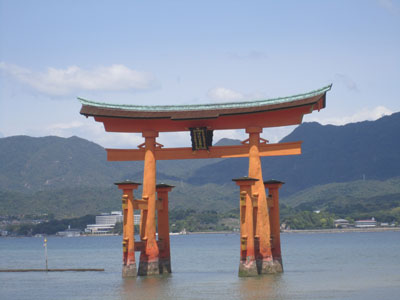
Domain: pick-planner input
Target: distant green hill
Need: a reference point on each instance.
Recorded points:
(355, 200)
(30, 164)
(319, 197)
(71, 177)
(330, 153)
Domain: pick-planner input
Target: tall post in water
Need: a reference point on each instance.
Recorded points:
(265, 263)
(45, 253)
(149, 256)
(128, 241)
(163, 228)
(273, 187)
(247, 264)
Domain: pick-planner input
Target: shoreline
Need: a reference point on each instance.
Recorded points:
(329, 230)
(290, 231)
(342, 230)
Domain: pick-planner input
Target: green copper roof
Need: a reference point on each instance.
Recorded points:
(228, 105)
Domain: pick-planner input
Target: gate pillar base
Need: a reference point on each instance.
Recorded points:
(165, 266)
(129, 270)
(269, 266)
(248, 269)
(149, 268)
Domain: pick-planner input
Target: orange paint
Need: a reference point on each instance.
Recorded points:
(262, 224)
(274, 118)
(247, 265)
(259, 220)
(149, 193)
(128, 253)
(273, 188)
(143, 221)
(163, 227)
(292, 148)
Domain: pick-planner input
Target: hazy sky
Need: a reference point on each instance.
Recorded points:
(187, 52)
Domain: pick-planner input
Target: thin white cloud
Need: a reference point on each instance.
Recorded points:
(362, 115)
(60, 82)
(175, 139)
(65, 126)
(229, 134)
(92, 131)
(273, 135)
(224, 94)
(252, 55)
(349, 83)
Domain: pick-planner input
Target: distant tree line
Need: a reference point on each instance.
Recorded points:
(191, 220)
(50, 227)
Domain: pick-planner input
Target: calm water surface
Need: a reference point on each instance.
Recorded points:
(317, 266)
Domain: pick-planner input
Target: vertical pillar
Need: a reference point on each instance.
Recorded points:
(273, 187)
(128, 241)
(163, 228)
(247, 265)
(263, 232)
(149, 256)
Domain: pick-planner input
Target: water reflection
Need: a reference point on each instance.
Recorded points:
(152, 287)
(168, 287)
(262, 287)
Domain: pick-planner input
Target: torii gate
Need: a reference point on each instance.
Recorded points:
(259, 215)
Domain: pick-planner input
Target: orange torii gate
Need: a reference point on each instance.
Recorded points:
(259, 213)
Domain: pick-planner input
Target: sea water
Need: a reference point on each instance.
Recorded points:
(362, 265)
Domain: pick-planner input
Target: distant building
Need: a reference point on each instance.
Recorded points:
(69, 232)
(136, 219)
(113, 218)
(105, 223)
(99, 228)
(365, 223)
(341, 223)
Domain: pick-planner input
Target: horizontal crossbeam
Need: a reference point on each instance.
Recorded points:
(280, 149)
(142, 204)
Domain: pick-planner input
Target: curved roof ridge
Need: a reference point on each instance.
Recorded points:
(210, 106)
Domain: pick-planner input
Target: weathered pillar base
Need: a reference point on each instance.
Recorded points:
(129, 270)
(165, 266)
(149, 268)
(269, 266)
(248, 269)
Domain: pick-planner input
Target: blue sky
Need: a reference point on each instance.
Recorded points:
(187, 52)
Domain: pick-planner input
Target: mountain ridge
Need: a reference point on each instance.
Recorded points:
(329, 154)
(68, 168)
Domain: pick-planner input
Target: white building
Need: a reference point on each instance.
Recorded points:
(365, 223)
(105, 223)
(136, 219)
(341, 223)
(99, 228)
(113, 218)
(69, 232)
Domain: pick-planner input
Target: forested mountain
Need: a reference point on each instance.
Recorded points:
(71, 176)
(364, 150)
